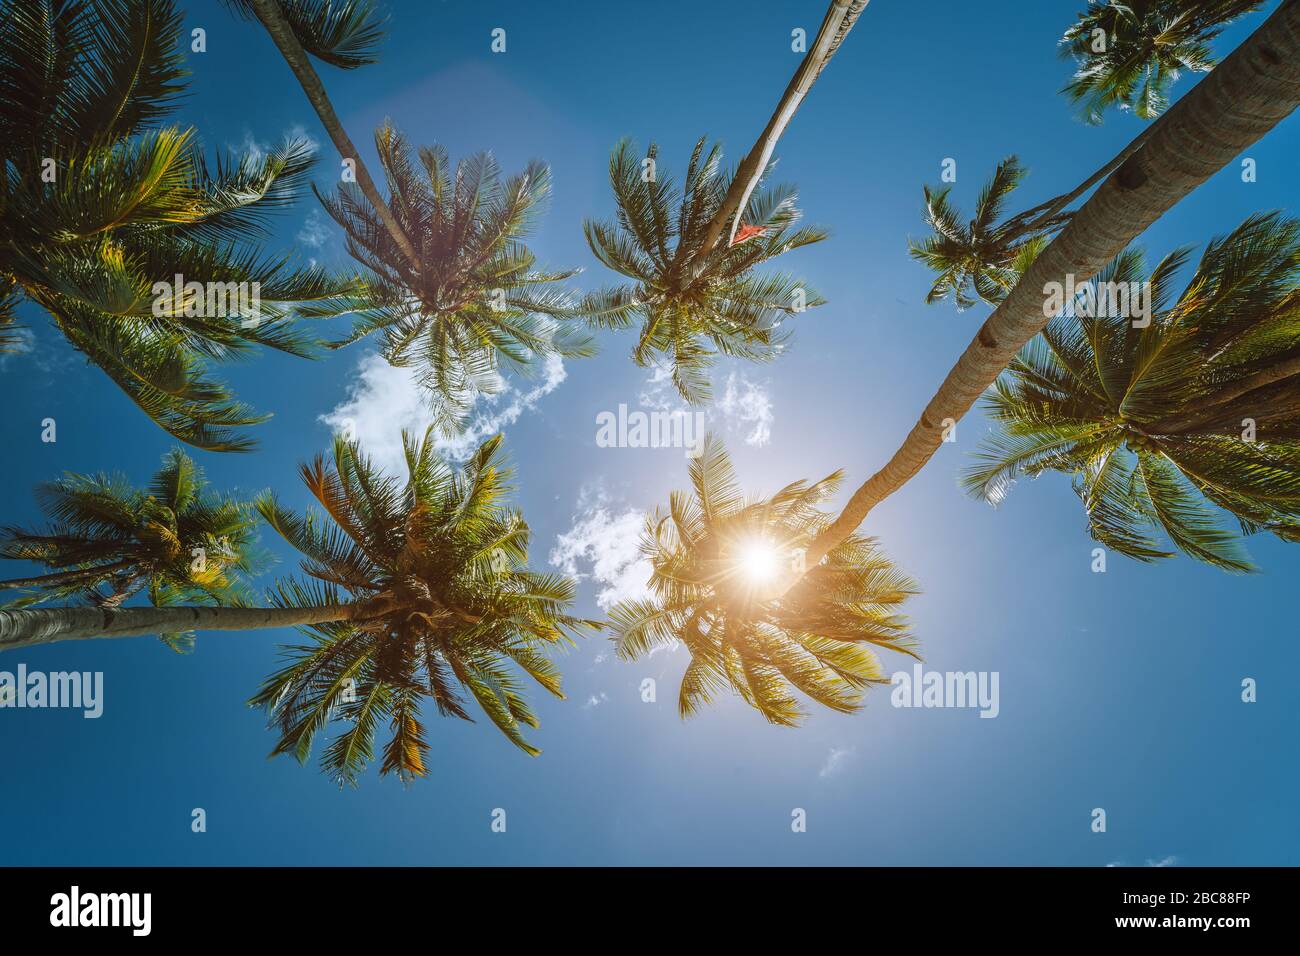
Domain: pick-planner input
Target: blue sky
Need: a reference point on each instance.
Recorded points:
(1118, 690)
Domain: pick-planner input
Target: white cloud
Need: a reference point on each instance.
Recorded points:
(251, 148)
(256, 149)
(383, 400)
(834, 763)
(744, 406)
(1167, 861)
(608, 542)
(315, 230)
(595, 700)
(298, 131)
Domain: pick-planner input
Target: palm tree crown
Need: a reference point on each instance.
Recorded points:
(99, 206)
(983, 257)
(712, 552)
(175, 541)
(440, 561)
(1129, 54)
(658, 234)
(1160, 424)
(473, 301)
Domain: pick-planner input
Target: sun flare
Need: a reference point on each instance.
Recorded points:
(759, 560)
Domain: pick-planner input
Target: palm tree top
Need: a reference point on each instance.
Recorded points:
(1130, 53)
(473, 300)
(693, 310)
(713, 552)
(174, 541)
(1165, 426)
(440, 561)
(131, 206)
(984, 257)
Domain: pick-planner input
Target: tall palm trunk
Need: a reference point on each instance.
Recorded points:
(31, 626)
(835, 27)
(1243, 98)
(66, 577)
(268, 11)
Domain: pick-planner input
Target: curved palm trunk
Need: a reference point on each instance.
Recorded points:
(835, 27)
(1253, 90)
(268, 11)
(31, 626)
(66, 577)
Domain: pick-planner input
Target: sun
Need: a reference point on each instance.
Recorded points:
(760, 560)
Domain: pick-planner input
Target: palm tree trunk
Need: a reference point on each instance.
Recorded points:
(65, 577)
(268, 11)
(835, 27)
(1248, 94)
(28, 627)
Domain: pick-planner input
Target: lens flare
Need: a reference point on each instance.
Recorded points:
(759, 560)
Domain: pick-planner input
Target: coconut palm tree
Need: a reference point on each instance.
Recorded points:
(447, 555)
(101, 212)
(1162, 425)
(713, 551)
(984, 257)
(415, 588)
(1130, 53)
(659, 233)
(472, 302)
(175, 541)
(343, 34)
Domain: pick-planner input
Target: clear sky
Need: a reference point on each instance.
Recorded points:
(1118, 690)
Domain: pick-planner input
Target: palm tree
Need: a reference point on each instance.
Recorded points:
(414, 589)
(1149, 421)
(175, 541)
(447, 554)
(100, 211)
(1130, 53)
(984, 257)
(344, 34)
(713, 551)
(472, 301)
(660, 234)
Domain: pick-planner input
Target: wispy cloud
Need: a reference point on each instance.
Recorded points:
(1165, 861)
(257, 149)
(595, 700)
(298, 131)
(744, 407)
(383, 400)
(315, 230)
(604, 545)
(835, 760)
